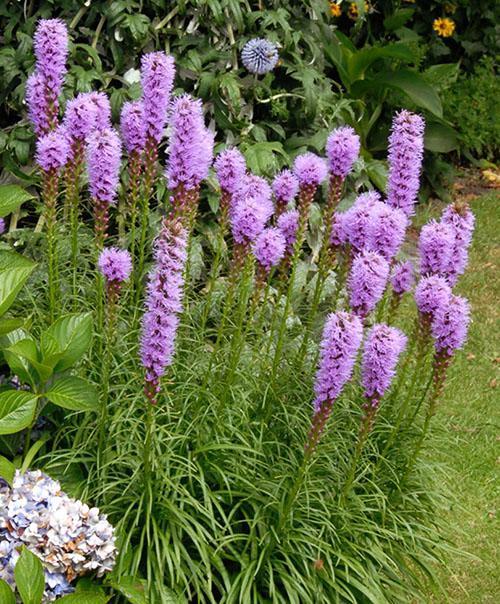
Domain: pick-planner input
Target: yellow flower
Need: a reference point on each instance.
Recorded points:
(353, 12)
(335, 9)
(444, 27)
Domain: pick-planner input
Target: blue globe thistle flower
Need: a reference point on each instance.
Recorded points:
(259, 55)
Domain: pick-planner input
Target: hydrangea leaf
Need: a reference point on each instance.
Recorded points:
(30, 580)
(73, 393)
(11, 197)
(6, 593)
(14, 271)
(67, 340)
(17, 410)
(7, 471)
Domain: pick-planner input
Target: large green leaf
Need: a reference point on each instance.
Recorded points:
(83, 598)
(7, 471)
(14, 271)
(73, 393)
(67, 340)
(8, 325)
(135, 590)
(440, 138)
(30, 580)
(17, 410)
(11, 197)
(28, 350)
(361, 60)
(6, 593)
(398, 18)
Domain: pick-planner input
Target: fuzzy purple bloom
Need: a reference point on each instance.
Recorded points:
(50, 43)
(367, 281)
(381, 352)
(338, 233)
(288, 223)
(461, 221)
(356, 221)
(115, 264)
(2, 226)
(132, 126)
(230, 167)
(102, 109)
(269, 247)
(386, 229)
(191, 144)
(340, 342)
(38, 109)
(85, 113)
(103, 164)
(435, 246)
(310, 169)
(285, 187)
(52, 150)
(450, 324)
(259, 55)
(432, 293)
(342, 150)
(406, 150)
(402, 277)
(157, 79)
(248, 217)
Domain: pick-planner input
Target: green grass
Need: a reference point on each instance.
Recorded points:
(469, 419)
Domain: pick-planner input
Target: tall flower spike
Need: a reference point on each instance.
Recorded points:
(114, 264)
(310, 169)
(230, 168)
(132, 126)
(435, 246)
(157, 79)
(51, 51)
(431, 294)
(38, 104)
(285, 189)
(367, 281)
(342, 150)
(269, 247)
(288, 224)
(402, 277)
(356, 221)
(103, 109)
(52, 151)
(381, 352)
(259, 56)
(450, 324)
(386, 230)
(80, 118)
(163, 305)
(406, 150)
(461, 220)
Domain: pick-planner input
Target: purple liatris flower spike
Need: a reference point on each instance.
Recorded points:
(341, 340)
(269, 247)
(338, 232)
(52, 151)
(163, 304)
(230, 167)
(249, 217)
(342, 150)
(450, 324)
(381, 352)
(431, 294)
(402, 277)
(191, 144)
(461, 220)
(356, 221)
(285, 189)
(132, 126)
(2, 226)
(310, 169)
(288, 223)
(435, 246)
(406, 149)
(259, 56)
(51, 51)
(103, 164)
(367, 281)
(115, 264)
(38, 105)
(157, 79)
(386, 229)
(80, 116)
(102, 109)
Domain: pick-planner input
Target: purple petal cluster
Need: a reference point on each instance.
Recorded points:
(381, 352)
(310, 169)
(163, 305)
(406, 150)
(340, 342)
(191, 144)
(269, 247)
(386, 230)
(435, 246)
(2, 226)
(461, 221)
(432, 293)
(115, 264)
(288, 224)
(249, 217)
(367, 281)
(37, 102)
(402, 277)
(285, 187)
(51, 51)
(449, 325)
(342, 150)
(157, 79)
(52, 150)
(102, 109)
(230, 167)
(259, 56)
(353, 225)
(103, 164)
(132, 126)
(80, 116)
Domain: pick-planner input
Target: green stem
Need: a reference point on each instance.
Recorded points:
(50, 189)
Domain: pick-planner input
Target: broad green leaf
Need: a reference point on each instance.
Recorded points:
(28, 350)
(7, 471)
(73, 393)
(11, 197)
(83, 598)
(17, 410)
(440, 138)
(361, 60)
(398, 18)
(8, 325)
(6, 593)
(135, 590)
(377, 172)
(30, 580)
(14, 271)
(67, 340)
